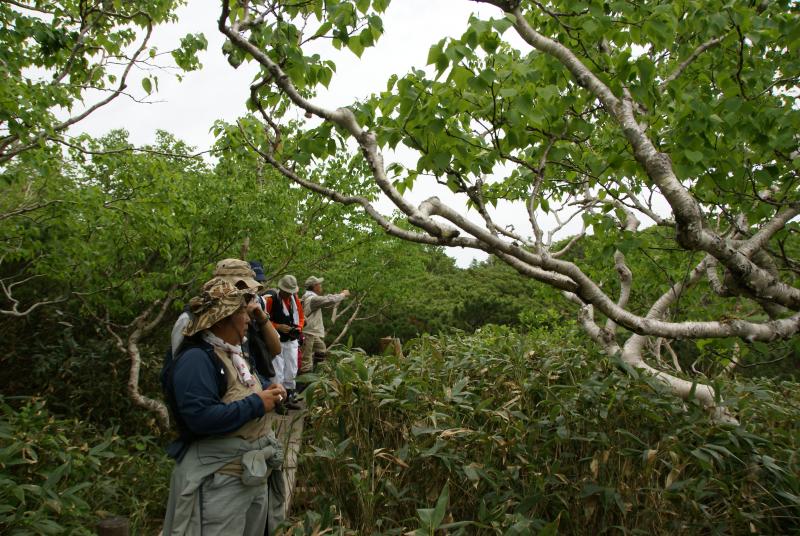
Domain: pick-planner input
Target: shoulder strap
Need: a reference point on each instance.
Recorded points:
(259, 355)
(272, 293)
(298, 306)
(168, 376)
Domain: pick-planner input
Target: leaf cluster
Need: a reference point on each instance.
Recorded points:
(54, 54)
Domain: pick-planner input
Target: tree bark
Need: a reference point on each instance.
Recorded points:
(142, 326)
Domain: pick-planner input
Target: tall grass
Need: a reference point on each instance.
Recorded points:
(500, 433)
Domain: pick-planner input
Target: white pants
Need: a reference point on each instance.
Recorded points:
(285, 364)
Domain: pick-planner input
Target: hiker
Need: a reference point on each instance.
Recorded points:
(287, 317)
(228, 476)
(263, 342)
(314, 301)
(240, 274)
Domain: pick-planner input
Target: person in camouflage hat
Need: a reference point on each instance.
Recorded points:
(219, 299)
(232, 462)
(238, 273)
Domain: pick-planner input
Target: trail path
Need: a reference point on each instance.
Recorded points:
(289, 431)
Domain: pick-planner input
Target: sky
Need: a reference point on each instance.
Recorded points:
(187, 108)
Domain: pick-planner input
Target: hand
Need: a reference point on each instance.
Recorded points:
(283, 328)
(279, 389)
(345, 292)
(270, 399)
(272, 396)
(256, 312)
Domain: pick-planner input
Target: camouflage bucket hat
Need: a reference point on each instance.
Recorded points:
(237, 272)
(219, 299)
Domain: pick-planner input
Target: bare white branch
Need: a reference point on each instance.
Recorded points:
(15, 303)
(353, 318)
(675, 362)
(688, 61)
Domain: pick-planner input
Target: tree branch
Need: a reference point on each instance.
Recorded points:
(692, 232)
(7, 156)
(29, 208)
(350, 320)
(633, 348)
(14, 311)
(442, 237)
(343, 118)
(143, 327)
(688, 61)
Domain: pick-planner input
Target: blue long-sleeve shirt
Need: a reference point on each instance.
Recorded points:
(199, 404)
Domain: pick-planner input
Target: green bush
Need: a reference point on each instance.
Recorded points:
(502, 433)
(59, 476)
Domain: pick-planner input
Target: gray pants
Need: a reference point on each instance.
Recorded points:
(313, 346)
(228, 507)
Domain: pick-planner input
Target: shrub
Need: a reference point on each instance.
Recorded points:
(516, 434)
(58, 476)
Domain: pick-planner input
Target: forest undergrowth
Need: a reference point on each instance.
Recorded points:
(60, 475)
(500, 433)
(494, 432)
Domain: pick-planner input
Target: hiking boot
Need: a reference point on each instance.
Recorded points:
(291, 400)
(293, 404)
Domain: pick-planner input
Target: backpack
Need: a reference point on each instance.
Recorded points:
(185, 435)
(256, 351)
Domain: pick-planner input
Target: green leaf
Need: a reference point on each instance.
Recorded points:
(425, 516)
(471, 473)
(441, 507)
(355, 46)
(434, 53)
(501, 25)
(460, 75)
(323, 29)
(693, 156)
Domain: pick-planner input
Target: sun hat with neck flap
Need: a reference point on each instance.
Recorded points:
(219, 299)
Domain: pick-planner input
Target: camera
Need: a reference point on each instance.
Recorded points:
(294, 333)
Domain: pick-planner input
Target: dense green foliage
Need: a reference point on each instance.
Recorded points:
(538, 433)
(130, 227)
(59, 474)
(681, 113)
(502, 417)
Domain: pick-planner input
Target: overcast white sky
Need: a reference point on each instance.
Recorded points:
(188, 108)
